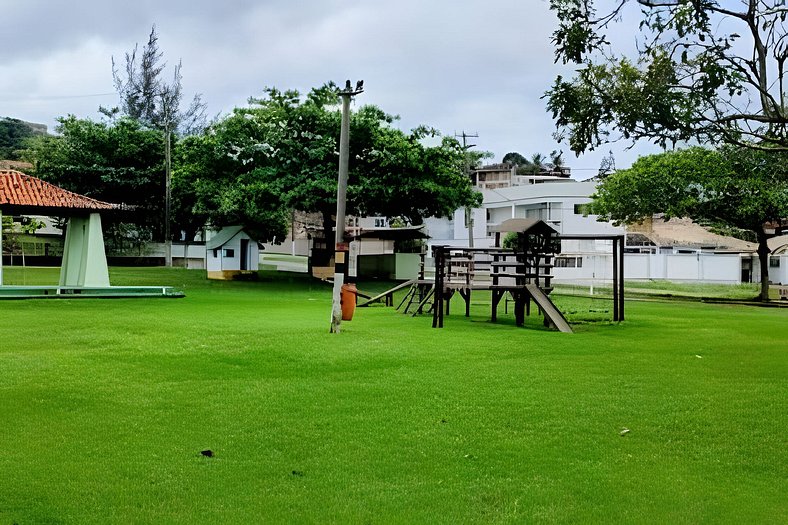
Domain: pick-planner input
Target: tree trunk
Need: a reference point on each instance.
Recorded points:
(323, 256)
(763, 258)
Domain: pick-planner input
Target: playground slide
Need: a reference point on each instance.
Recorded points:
(384, 294)
(550, 311)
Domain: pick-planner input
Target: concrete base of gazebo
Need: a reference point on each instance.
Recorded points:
(87, 292)
(84, 260)
(84, 272)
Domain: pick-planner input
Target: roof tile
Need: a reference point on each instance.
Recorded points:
(19, 189)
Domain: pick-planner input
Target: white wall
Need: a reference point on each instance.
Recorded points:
(705, 267)
(299, 247)
(480, 238)
(779, 275)
(440, 228)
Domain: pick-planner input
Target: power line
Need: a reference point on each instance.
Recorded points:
(32, 98)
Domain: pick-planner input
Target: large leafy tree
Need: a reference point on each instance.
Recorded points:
(538, 162)
(706, 70)
(738, 187)
(211, 187)
(117, 162)
(283, 149)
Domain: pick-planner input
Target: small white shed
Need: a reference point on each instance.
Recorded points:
(231, 254)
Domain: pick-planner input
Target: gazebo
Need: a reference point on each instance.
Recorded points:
(84, 267)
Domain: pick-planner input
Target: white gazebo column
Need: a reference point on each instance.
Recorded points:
(84, 259)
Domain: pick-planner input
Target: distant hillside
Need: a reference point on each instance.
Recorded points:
(13, 133)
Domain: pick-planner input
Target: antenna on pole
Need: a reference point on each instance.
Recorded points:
(468, 210)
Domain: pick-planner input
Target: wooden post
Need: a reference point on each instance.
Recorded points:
(621, 280)
(437, 304)
(615, 281)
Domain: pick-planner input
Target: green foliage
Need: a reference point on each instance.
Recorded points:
(147, 98)
(693, 77)
(120, 162)
(107, 405)
(509, 241)
(514, 158)
(13, 232)
(538, 162)
(740, 187)
(13, 134)
(735, 187)
(281, 153)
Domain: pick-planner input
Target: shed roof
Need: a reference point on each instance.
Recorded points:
(523, 225)
(26, 194)
(223, 237)
(395, 234)
(779, 244)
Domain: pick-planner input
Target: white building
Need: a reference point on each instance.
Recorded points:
(561, 203)
(231, 253)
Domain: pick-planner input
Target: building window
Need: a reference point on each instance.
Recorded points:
(380, 222)
(569, 262)
(228, 252)
(774, 262)
(581, 209)
(215, 253)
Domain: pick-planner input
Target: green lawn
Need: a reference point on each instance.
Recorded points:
(668, 289)
(677, 415)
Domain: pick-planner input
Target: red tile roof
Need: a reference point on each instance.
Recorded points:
(18, 189)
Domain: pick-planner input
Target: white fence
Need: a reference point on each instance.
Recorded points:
(718, 268)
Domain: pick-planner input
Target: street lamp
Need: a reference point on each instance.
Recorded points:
(340, 248)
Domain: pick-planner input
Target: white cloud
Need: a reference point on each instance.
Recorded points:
(454, 65)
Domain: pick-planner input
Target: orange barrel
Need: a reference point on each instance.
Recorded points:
(348, 301)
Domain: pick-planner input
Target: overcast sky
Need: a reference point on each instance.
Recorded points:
(460, 65)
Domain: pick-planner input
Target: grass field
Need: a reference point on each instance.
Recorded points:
(677, 415)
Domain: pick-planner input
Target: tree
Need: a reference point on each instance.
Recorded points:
(119, 162)
(696, 77)
(734, 186)
(146, 97)
(514, 158)
(13, 234)
(556, 159)
(211, 186)
(284, 148)
(537, 163)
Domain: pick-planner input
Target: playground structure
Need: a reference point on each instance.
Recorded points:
(523, 272)
(520, 275)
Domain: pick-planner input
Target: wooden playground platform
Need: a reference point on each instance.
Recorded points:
(521, 275)
(500, 271)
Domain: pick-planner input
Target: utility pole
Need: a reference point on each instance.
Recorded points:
(468, 210)
(165, 102)
(341, 251)
(168, 196)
